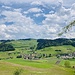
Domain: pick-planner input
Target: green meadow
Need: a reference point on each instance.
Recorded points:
(35, 67)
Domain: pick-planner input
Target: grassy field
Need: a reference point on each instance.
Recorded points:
(43, 66)
(51, 50)
(34, 67)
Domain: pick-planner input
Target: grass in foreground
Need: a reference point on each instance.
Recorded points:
(38, 67)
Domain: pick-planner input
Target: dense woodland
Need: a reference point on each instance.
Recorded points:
(42, 43)
(6, 47)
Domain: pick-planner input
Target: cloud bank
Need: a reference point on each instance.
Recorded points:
(35, 19)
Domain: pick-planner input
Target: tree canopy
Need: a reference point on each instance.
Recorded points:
(42, 43)
(6, 47)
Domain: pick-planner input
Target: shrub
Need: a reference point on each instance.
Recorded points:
(49, 55)
(18, 72)
(19, 56)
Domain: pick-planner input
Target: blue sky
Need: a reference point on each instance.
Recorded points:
(36, 19)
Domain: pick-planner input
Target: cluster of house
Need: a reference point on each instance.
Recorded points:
(66, 55)
(29, 56)
(35, 56)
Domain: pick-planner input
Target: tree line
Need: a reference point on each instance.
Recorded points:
(42, 43)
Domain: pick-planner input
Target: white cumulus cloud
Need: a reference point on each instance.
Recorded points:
(24, 26)
(35, 10)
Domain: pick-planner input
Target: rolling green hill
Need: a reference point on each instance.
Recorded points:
(52, 49)
(25, 47)
(44, 66)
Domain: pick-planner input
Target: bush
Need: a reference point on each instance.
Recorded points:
(0, 59)
(19, 56)
(67, 64)
(18, 72)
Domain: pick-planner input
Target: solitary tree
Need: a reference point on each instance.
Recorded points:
(67, 64)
